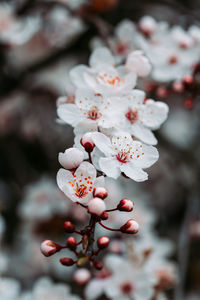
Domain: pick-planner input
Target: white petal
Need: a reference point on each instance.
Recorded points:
(154, 114)
(69, 113)
(110, 166)
(100, 181)
(101, 56)
(63, 176)
(87, 169)
(103, 143)
(144, 155)
(76, 75)
(134, 172)
(144, 134)
(94, 289)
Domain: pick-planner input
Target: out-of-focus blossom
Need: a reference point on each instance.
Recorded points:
(44, 288)
(42, 200)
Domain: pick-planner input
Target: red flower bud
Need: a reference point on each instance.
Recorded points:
(48, 248)
(87, 142)
(104, 215)
(178, 86)
(125, 205)
(188, 79)
(98, 265)
(100, 192)
(69, 227)
(67, 261)
(131, 227)
(189, 103)
(162, 92)
(71, 243)
(103, 242)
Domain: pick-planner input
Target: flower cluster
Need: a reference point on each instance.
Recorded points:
(173, 51)
(113, 123)
(179, 47)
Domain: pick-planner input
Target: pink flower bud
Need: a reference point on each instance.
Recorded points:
(69, 227)
(87, 142)
(188, 79)
(131, 226)
(71, 243)
(162, 92)
(96, 206)
(100, 192)
(103, 242)
(82, 276)
(48, 248)
(71, 158)
(189, 103)
(138, 63)
(104, 215)
(125, 205)
(178, 86)
(98, 265)
(67, 261)
(147, 25)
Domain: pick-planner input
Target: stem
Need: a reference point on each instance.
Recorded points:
(90, 157)
(108, 228)
(91, 230)
(85, 206)
(113, 209)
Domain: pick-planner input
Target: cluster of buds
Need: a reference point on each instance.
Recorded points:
(189, 86)
(84, 249)
(87, 253)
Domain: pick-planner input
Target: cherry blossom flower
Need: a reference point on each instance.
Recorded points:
(139, 117)
(42, 200)
(137, 62)
(103, 77)
(80, 185)
(9, 288)
(124, 155)
(88, 107)
(44, 288)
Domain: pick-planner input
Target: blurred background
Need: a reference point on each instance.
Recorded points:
(40, 41)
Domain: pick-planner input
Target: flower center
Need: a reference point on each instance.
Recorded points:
(122, 48)
(81, 190)
(122, 157)
(94, 113)
(132, 115)
(126, 288)
(173, 60)
(81, 185)
(109, 79)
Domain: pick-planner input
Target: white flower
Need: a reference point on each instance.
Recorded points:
(9, 288)
(124, 155)
(44, 288)
(126, 282)
(147, 25)
(103, 77)
(71, 158)
(42, 201)
(89, 107)
(138, 117)
(137, 62)
(79, 186)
